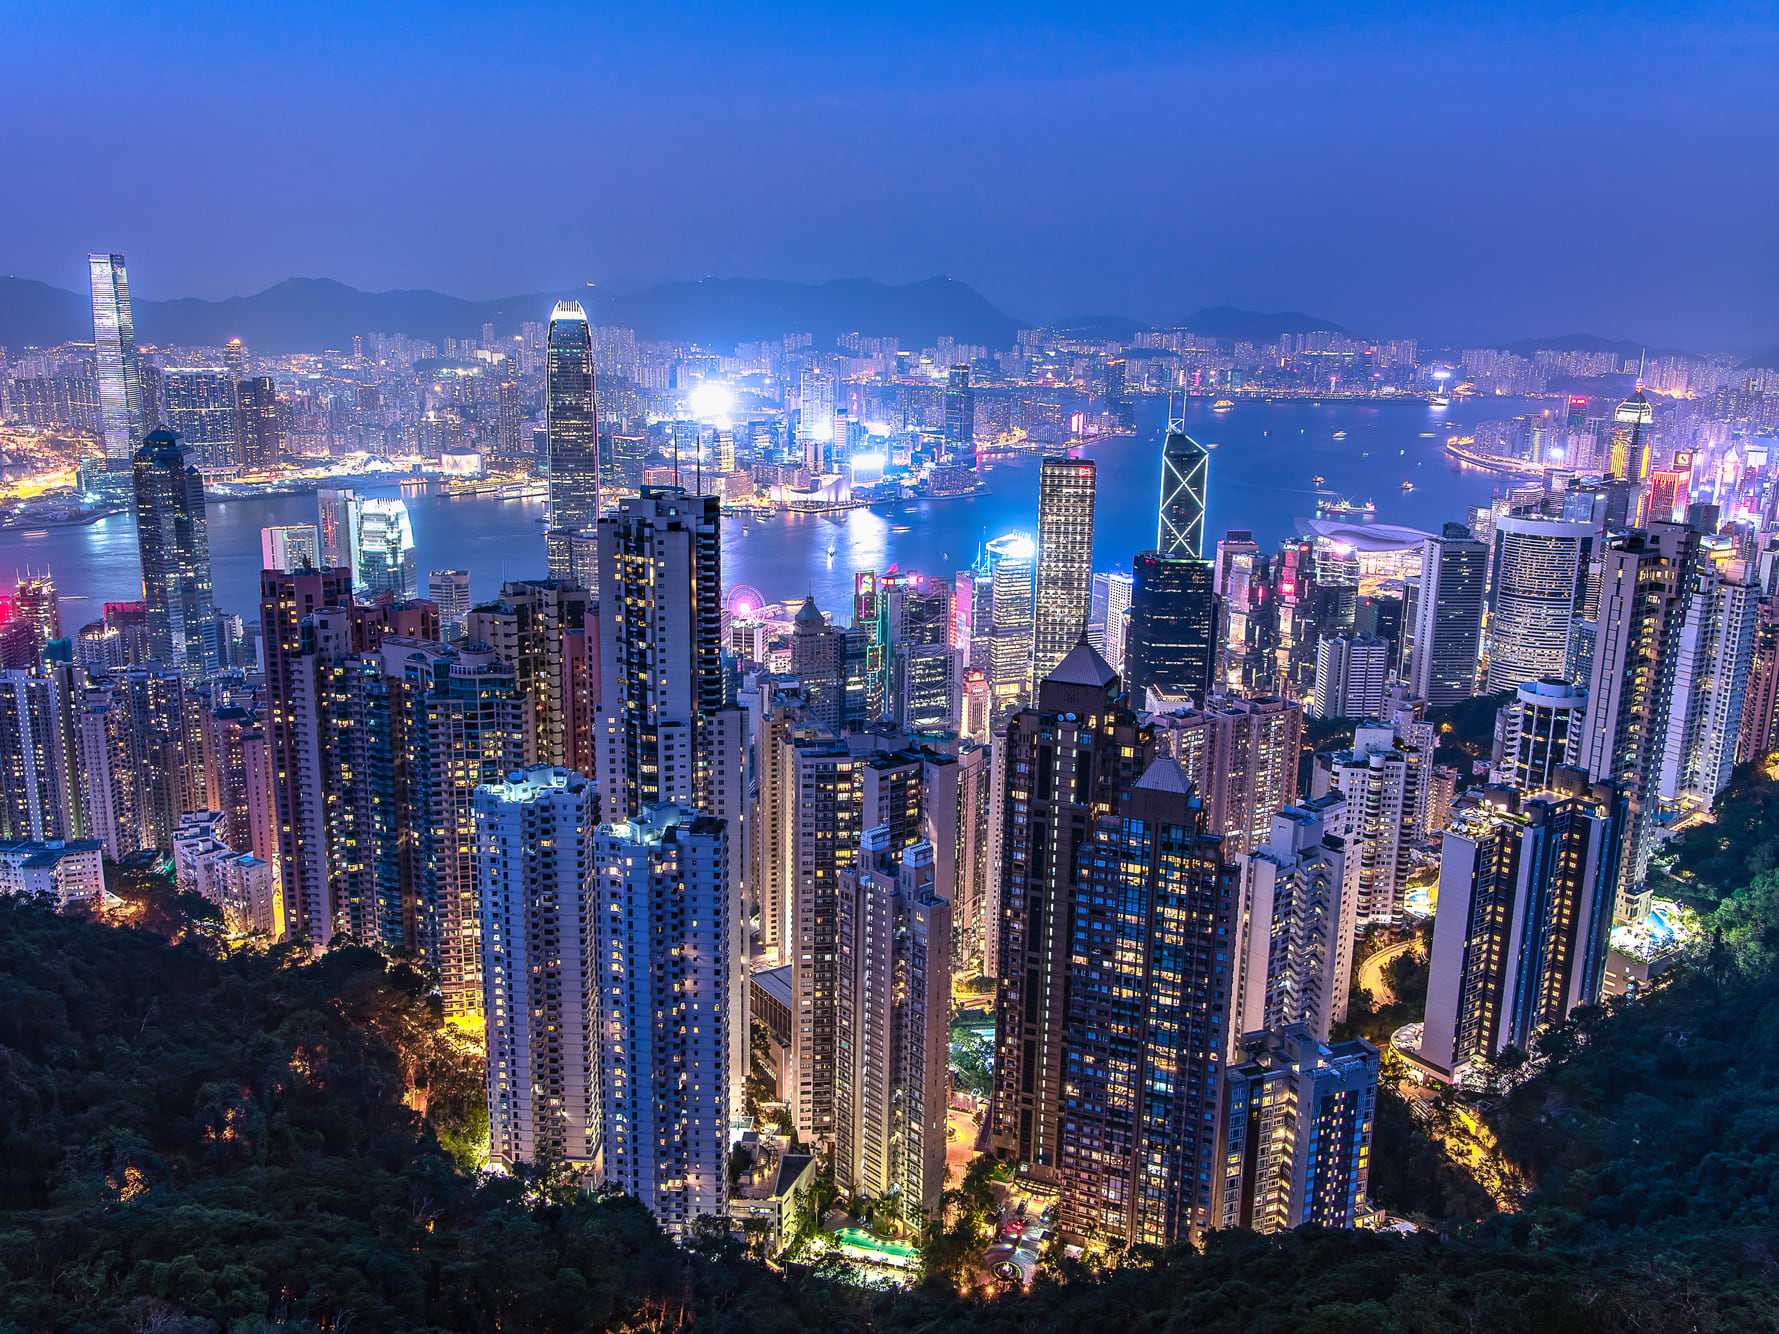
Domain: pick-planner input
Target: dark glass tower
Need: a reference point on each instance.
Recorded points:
(175, 548)
(572, 426)
(1185, 471)
(1172, 644)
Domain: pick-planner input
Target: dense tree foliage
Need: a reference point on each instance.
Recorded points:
(207, 1143)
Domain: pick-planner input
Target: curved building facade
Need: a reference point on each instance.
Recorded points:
(1538, 565)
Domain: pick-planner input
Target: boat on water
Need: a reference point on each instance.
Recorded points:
(898, 527)
(1222, 405)
(1318, 479)
(1211, 444)
(1407, 485)
(1340, 435)
(1440, 401)
(1337, 508)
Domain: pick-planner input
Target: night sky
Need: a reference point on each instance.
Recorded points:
(1462, 172)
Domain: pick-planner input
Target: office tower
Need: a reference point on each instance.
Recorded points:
(1301, 614)
(36, 603)
(818, 657)
(1714, 660)
(660, 652)
(1012, 566)
(1541, 733)
(1381, 778)
(173, 540)
(122, 422)
(894, 1026)
(1448, 617)
(448, 590)
(1381, 615)
(542, 925)
(1147, 1017)
(868, 634)
(660, 948)
(1108, 617)
(972, 612)
(571, 423)
(290, 547)
(386, 557)
(1350, 673)
(41, 795)
(337, 521)
(1059, 767)
(1536, 589)
(1185, 469)
(259, 442)
(1646, 585)
(960, 414)
(1293, 947)
(1296, 1129)
(1526, 893)
(1241, 756)
(1065, 560)
(1243, 583)
(546, 630)
(1172, 643)
(1756, 737)
(200, 406)
(816, 415)
(1632, 437)
(923, 666)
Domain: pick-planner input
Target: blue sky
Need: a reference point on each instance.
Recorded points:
(1477, 171)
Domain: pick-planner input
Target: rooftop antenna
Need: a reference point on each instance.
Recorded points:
(1642, 362)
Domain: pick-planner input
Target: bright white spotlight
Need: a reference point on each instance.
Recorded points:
(710, 402)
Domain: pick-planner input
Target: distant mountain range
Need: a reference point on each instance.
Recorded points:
(314, 314)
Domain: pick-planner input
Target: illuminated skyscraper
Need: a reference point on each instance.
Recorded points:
(449, 591)
(200, 406)
(114, 340)
(1012, 564)
(1108, 616)
(1646, 585)
(1295, 1131)
(1632, 437)
(1185, 472)
(572, 430)
(664, 937)
(259, 444)
(1537, 577)
(817, 412)
(173, 540)
(960, 413)
(337, 520)
(1150, 968)
(1525, 913)
(1065, 560)
(1448, 617)
(386, 559)
(1059, 767)
(541, 908)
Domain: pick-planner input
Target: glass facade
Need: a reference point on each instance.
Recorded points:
(174, 544)
(114, 339)
(572, 422)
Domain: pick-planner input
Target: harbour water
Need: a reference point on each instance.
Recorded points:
(1262, 468)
